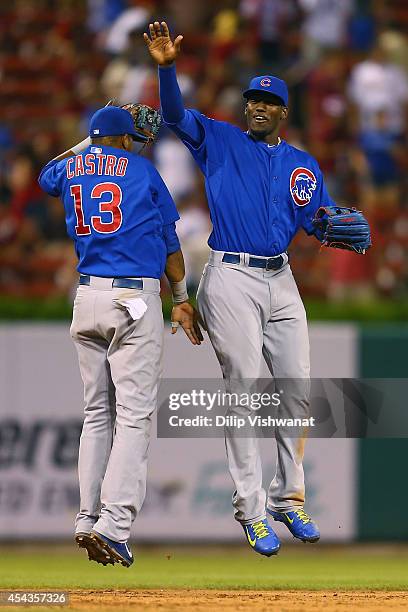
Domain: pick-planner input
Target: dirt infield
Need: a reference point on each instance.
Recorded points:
(226, 601)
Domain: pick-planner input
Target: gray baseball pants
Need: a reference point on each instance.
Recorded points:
(118, 334)
(250, 315)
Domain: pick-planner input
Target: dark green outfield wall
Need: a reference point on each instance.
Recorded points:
(383, 464)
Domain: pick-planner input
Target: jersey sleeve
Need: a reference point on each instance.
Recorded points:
(204, 137)
(168, 210)
(162, 197)
(49, 178)
(174, 114)
(320, 198)
(209, 151)
(171, 238)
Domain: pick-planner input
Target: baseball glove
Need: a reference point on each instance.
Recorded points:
(342, 228)
(147, 120)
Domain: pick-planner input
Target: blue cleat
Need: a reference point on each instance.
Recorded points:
(299, 524)
(262, 538)
(118, 552)
(95, 552)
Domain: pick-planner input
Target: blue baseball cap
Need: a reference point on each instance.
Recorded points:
(269, 85)
(112, 121)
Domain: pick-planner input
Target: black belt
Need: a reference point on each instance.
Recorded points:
(267, 263)
(120, 283)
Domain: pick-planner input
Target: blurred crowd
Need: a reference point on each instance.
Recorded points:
(346, 65)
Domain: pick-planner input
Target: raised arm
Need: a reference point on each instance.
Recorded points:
(165, 52)
(48, 178)
(81, 146)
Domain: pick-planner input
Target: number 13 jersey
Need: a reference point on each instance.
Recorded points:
(118, 211)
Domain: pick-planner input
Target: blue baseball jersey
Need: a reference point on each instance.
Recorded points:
(259, 195)
(118, 211)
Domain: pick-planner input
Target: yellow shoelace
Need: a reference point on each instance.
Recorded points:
(260, 530)
(303, 516)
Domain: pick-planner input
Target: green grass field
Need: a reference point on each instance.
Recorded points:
(296, 567)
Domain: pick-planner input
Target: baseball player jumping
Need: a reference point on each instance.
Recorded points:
(121, 218)
(260, 192)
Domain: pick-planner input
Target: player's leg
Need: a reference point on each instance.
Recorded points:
(99, 395)
(134, 356)
(230, 303)
(227, 306)
(286, 351)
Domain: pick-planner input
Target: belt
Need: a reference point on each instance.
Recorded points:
(120, 283)
(266, 263)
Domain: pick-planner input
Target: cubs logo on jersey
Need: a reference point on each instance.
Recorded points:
(302, 185)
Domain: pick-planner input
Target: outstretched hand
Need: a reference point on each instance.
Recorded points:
(186, 315)
(162, 49)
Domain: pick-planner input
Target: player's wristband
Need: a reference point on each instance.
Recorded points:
(81, 146)
(179, 291)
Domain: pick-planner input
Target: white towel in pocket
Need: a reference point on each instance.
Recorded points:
(136, 307)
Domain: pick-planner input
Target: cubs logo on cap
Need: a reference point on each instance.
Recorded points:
(268, 85)
(302, 185)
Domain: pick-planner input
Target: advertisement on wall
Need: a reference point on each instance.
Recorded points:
(189, 488)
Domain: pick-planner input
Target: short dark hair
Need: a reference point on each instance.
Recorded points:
(107, 141)
(268, 97)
